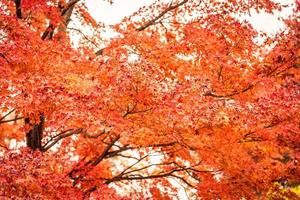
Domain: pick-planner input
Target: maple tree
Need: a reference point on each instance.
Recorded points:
(181, 92)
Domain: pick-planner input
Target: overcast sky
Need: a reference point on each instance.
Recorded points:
(114, 13)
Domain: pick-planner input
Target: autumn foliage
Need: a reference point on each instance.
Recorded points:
(180, 96)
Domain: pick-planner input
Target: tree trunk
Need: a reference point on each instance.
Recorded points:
(35, 135)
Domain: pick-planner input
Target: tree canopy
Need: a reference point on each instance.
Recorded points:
(179, 96)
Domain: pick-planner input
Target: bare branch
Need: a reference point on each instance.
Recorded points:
(56, 139)
(183, 180)
(116, 152)
(189, 170)
(2, 121)
(7, 114)
(52, 138)
(121, 155)
(129, 167)
(141, 177)
(154, 20)
(86, 37)
(11, 120)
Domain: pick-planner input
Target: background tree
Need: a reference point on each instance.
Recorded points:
(181, 92)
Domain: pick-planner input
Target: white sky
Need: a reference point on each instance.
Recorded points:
(114, 13)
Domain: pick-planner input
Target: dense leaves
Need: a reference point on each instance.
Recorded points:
(180, 96)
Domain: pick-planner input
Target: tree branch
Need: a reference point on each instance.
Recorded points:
(116, 152)
(70, 6)
(65, 12)
(162, 144)
(2, 121)
(52, 138)
(229, 95)
(151, 22)
(58, 137)
(105, 152)
(131, 111)
(3, 146)
(129, 167)
(4, 57)
(11, 120)
(183, 180)
(170, 173)
(96, 135)
(7, 114)
(18, 9)
(86, 37)
(141, 177)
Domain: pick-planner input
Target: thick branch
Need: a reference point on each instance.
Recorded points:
(18, 9)
(69, 7)
(48, 32)
(65, 12)
(35, 135)
(99, 52)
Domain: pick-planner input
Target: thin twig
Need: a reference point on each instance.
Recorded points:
(7, 114)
